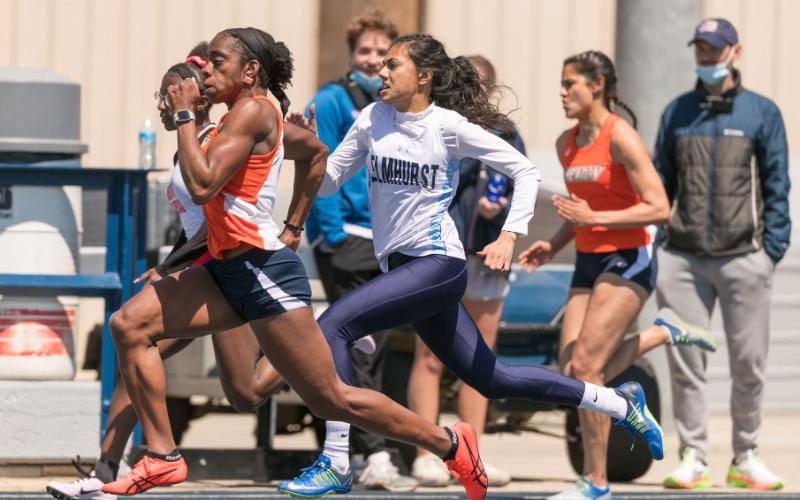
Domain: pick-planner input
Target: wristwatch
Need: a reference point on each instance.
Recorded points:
(182, 116)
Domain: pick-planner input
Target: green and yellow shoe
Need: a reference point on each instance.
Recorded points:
(691, 474)
(749, 471)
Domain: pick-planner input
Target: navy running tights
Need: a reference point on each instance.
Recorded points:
(426, 292)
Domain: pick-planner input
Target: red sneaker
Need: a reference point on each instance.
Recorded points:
(148, 473)
(466, 466)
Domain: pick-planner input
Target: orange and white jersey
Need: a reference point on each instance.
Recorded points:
(242, 211)
(591, 174)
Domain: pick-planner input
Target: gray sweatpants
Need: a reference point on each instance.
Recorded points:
(690, 285)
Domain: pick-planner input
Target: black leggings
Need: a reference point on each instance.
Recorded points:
(426, 292)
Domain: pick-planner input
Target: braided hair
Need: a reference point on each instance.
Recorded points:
(275, 63)
(456, 84)
(593, 64)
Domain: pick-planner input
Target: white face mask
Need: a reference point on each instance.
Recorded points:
(715, 73)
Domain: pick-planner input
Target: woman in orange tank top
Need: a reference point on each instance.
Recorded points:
(615, 199)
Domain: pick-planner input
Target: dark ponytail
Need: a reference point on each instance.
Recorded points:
(593, 64)
(275, 62)
(456, 84)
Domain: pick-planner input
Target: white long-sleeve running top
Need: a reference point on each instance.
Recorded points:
(412, 172)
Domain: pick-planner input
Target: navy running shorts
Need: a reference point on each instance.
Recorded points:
(261, 283)
(638, 265)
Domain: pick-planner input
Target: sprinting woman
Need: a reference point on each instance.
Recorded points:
(479, 220)
(254, 276)
(434, 112)
(615, 198)
(246, 376)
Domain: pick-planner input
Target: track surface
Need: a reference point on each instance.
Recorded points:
(363, 495)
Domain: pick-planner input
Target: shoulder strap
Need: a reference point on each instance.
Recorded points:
(570, 146)
(608, 125)
(356, 93)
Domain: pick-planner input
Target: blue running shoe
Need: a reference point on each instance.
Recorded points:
(583, 489)
(317, 480)
(639, 422)
(682, 333)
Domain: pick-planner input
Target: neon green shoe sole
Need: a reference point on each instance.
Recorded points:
(702, 483)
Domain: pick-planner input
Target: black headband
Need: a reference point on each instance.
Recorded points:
(258, 42)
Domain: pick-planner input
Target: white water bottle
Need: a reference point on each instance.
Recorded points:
(147, 145)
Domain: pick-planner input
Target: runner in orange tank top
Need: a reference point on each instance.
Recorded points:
(592, 174)
(615, 199)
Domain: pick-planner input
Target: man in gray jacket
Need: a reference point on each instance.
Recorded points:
(722, 153)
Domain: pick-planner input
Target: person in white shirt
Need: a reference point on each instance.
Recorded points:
(433, 112)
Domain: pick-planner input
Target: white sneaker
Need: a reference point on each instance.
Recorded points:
(85, 487)
(691, 474)
(749, 471)
(497, 477)
(429, 470)
(583, 489)
(381, 474)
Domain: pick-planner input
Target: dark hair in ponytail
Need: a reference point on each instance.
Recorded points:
(189, 69)
(456, 84)
(274, 60)
(593, 64)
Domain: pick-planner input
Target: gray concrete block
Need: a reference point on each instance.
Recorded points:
(48, 420)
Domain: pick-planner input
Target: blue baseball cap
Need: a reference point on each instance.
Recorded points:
(716, 31)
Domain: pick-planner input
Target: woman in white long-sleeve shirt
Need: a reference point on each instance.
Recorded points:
(433, 112)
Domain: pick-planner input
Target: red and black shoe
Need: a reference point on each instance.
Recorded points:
(467, 466)
(149, 472)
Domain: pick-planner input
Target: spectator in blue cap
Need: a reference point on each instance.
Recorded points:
(722, 154)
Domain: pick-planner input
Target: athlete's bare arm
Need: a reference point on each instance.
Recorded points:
(249, 128)
(309, 155)
(627, 149)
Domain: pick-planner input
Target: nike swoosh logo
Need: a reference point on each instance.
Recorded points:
(595, 398)
(86, 492)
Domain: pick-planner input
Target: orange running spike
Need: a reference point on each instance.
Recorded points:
(466, 466)
(148, 473)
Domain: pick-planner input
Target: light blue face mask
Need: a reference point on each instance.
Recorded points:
(714, 73)
(368, 83)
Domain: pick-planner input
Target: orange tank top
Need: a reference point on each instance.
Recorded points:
(242, 211)
(591, 174)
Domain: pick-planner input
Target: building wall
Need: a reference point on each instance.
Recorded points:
(118, 51)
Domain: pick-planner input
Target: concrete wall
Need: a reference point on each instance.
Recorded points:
(41, 421)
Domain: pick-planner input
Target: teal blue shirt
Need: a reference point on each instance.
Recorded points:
(335, 115)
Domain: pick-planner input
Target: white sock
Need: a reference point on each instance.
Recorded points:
(337, 445)
(604, 400)
(668, 333)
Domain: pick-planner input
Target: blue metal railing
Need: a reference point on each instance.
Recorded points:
(126, 215)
